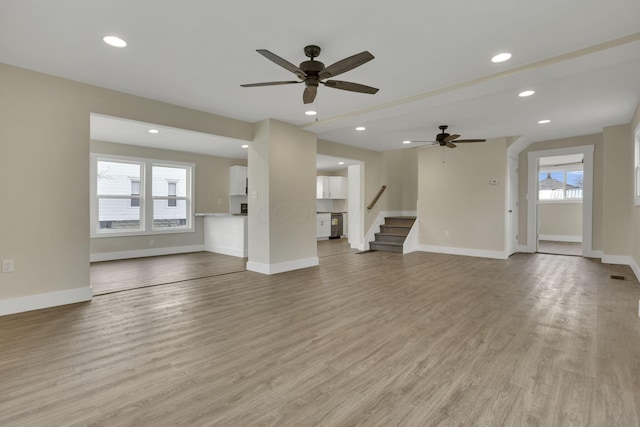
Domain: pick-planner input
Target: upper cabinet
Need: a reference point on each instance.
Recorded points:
(238, 181)
(331, 187)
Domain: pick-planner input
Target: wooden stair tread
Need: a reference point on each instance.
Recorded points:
(386, 243)
(401, 217)
(390, 234)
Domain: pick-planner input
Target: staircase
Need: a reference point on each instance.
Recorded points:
(392, 234)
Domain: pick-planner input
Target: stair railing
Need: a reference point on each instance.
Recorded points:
(375, 199)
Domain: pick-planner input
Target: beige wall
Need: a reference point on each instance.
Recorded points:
(282, 172)
(523, 167)
(44, 141)
(400, 175)
(560, 219)
(617, 206)
(211, 185)
(457, 196)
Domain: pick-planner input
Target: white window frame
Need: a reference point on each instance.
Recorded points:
(146, 198)
(564, 170)
(636, 169)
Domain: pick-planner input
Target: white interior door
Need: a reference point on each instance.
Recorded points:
(511, 219)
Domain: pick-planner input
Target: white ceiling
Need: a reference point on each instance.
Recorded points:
(432, 61)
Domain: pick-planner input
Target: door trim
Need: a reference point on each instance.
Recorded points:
(587, 195)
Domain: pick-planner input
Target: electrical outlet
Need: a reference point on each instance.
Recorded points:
(446, 233)
(7, 266)
(152, 242)
(219, 201)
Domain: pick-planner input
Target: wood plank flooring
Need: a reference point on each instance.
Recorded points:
(375, 339)
(119, 275)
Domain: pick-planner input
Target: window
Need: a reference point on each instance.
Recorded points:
(555, 184)
(135, 193)
(172, 193)
(118, 207)
(169, 196)
(133, 196)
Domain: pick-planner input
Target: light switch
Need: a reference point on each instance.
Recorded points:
(254, 194)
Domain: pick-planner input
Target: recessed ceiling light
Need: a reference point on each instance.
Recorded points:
(154, 131)
(245, 146)
(526, 93)
(114, 41)
(544, 122)
(501, 57)
(310, 113)
(361, 128)
(406, 142)
(341, 163)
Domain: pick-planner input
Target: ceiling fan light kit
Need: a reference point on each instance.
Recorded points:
(313, 73)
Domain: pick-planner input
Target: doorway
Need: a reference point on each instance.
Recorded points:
(560, 189)
(560, 201)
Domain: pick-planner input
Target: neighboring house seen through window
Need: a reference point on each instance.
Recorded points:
(560, 185)
(135, 193)
(120, 187)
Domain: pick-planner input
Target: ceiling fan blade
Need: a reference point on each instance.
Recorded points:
(353, 87)
(430, 142)
(451, 145)
(309, 94)
(471, 140)
(345, 65)
(451, 137)
(282, 62)
(271, 83)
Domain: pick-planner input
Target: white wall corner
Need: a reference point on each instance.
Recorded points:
(141, 253)
(282, 266)
(40, 301)
(479, 253)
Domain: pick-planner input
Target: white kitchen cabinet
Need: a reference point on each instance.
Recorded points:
(337, 187)
(331, 187)
(323, 226)
(238, 181)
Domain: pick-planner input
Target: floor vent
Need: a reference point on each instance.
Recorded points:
(615, 277)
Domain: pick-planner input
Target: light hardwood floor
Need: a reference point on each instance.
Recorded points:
(375, 339)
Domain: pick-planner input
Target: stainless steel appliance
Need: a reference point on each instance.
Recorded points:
(336, 225)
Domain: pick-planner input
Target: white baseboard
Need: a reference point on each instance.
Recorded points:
(50, 299)
(480, 253)
(560, 238)
(617, 259)
(226, 251)
(283, 266)
(524, 249)
(140, 253)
